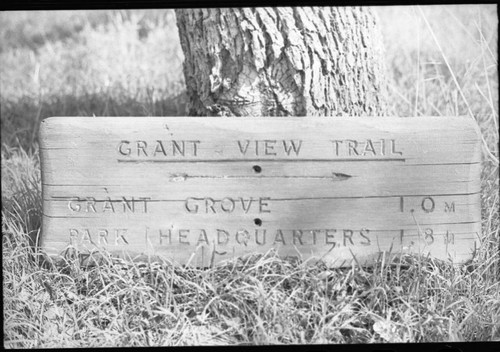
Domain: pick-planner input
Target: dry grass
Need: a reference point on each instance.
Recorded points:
(129, 63)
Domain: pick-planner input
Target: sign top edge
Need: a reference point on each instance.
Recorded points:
(442, 121)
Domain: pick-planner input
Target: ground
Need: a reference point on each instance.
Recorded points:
(441, 61)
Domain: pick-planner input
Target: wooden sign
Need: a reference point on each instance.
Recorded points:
(199, 190)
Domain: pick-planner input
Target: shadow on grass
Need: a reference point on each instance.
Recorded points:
(20, 120)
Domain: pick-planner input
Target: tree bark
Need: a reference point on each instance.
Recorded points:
(314, 61)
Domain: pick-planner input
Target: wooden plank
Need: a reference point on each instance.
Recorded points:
(202, 190)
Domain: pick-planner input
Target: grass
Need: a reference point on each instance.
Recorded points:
(441, 61)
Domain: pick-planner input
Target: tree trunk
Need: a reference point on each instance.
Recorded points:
(314, 61)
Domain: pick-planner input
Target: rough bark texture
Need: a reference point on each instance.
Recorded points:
(325, 61)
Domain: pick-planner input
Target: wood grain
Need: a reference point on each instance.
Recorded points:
(201, 190)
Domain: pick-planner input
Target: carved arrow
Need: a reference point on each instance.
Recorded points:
(334, 176)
